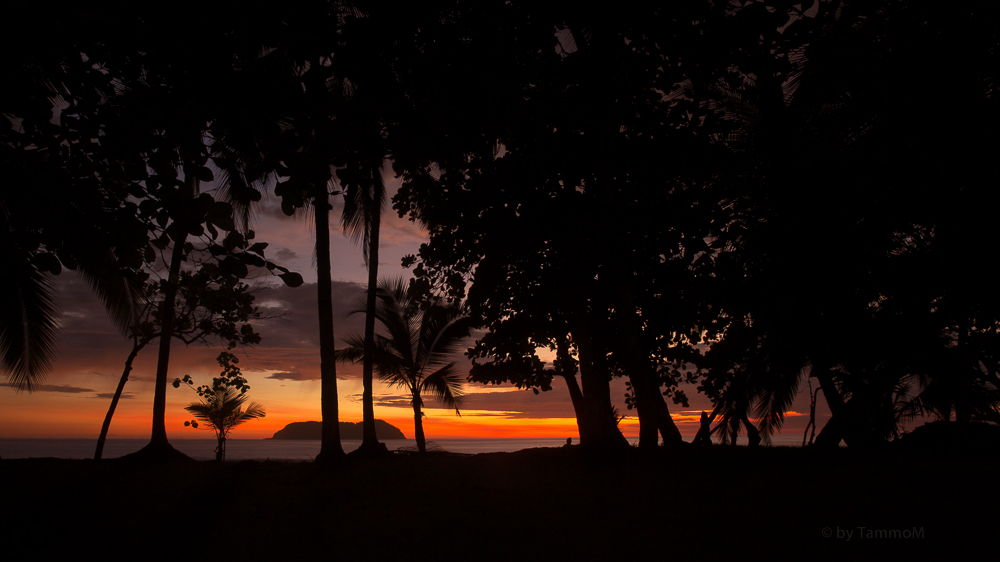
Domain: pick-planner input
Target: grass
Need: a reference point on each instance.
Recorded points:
(539, 504)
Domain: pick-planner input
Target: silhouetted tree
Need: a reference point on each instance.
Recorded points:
(556, 196)
(842, 198)
(65, 201)
(209, 307)
(344, 95)
(141, 124)
(221, 407)
(417, 352)
(364, 199)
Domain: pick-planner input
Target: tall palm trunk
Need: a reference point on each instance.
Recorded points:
(369, 437)
(363, 202)
(330, 447)
(158, 439)
(418, 423)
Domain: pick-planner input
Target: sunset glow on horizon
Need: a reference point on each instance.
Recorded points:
(283, 371)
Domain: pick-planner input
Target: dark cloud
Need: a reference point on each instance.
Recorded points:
(292, 376)
(386, 400)
(55, 388)
(285, 254)
(515, 404)
(110, 395)
(294, 338)
(270, 208)
(522, 403)
(491, 414)
(396, 402)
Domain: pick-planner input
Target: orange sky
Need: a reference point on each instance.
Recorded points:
(284, 370)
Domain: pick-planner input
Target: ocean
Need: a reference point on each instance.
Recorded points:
(275, 449)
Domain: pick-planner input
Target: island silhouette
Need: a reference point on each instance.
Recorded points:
(314, 430)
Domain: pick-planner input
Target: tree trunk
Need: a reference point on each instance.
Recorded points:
(564, 366)
(582, 420)
(668, 429)
(330, 447)
(418, 425)
(848, 425)
(369, 438)
(654, 416)
(597, 394)
(831, 435)
(649, 433)
(704, 436)
(753, 435)
(136, 347)
(158, 439)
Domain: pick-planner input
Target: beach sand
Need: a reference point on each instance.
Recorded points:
(720, 503)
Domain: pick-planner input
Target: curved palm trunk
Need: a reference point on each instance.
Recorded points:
(136, 347)
(369, 437)
(330, 447)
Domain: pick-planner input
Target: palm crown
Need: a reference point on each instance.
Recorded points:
(417, 350)
(223, 410)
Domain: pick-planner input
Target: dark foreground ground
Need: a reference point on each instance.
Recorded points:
(544, 504)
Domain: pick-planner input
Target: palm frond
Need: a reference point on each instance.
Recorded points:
(223, 411)
(354, 352)
(446, 383)
(441, 334)
(349, 355)
(255, 410)
(774, 396)
(386, 358)
(364, 200)
(123, 298)
(28, 325)
(729, 417)
(244, 171)
(391, 311)
(389, 365)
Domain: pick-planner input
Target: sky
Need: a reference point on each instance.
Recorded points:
(283, 370)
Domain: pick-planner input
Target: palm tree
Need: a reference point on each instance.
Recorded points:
(223, 410)
(59, 209)
(364, 200)
(416, 354)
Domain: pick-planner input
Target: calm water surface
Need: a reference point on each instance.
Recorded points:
(273, 449)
